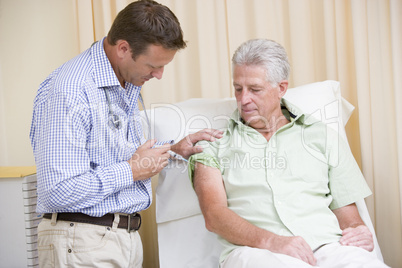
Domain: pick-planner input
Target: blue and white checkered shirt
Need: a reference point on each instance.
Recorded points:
(80, 158)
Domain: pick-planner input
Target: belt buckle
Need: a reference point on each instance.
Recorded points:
(129, 217)
(129, 222)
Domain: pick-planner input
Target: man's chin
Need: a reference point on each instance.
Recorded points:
(249, 117)
(139, 83)
(252, 119)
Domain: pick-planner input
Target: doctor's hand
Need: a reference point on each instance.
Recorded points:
(147, 161)
(186, 147)
(359, 236)
(294, 246)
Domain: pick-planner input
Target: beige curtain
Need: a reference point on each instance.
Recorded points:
(355, 42)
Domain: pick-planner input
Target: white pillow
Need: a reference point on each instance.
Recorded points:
(175, 197)
(323, 100)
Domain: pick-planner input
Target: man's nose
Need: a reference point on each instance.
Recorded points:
(245, 96)
(158, 73)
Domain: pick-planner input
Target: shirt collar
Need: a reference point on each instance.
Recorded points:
(104, 75)
(299, 115)
(291, 112)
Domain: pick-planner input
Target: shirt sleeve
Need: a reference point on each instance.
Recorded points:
(346, 182)
(208, 157)
(160, 143)
(66, 179)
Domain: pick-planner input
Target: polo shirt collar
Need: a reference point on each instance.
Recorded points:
(295, 115)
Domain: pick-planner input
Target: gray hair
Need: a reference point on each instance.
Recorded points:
(265, 53)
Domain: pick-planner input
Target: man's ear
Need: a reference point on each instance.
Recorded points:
(123, 49)
(283, 87)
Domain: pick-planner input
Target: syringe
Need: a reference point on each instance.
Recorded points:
(177, 156)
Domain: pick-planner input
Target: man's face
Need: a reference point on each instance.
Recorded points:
(147, 65)
(257, 101)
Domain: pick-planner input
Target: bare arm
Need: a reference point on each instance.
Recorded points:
(148, 161)
(354, 231)
(219, 219)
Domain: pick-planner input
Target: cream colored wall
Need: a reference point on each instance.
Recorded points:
(355, 42)
(34, 41)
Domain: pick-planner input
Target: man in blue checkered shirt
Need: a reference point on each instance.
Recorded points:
(93, 162)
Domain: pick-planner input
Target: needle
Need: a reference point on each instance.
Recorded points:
(177, 156)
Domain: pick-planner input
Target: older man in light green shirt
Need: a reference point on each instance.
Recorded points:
(280, 185)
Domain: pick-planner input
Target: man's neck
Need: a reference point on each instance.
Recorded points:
(112, 57)
(271, 127)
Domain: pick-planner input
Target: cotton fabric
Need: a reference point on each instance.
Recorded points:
(70, 244)
(329, 256)
(291, 184)
(80, 157)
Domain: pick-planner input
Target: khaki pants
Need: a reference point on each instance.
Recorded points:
(329, 256)
(72, 244)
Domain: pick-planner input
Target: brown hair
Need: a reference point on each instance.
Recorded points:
(146, 22)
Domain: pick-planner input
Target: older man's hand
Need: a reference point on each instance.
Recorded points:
(359, 236)
(186, 147)
(294, 246)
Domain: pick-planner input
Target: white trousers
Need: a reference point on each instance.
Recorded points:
(329, 256)
(72, 244)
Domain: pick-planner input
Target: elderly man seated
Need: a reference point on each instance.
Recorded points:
(280, 187)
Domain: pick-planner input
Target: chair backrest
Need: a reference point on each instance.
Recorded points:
(182, 237)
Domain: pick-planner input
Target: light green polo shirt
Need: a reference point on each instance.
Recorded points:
(290, 184)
